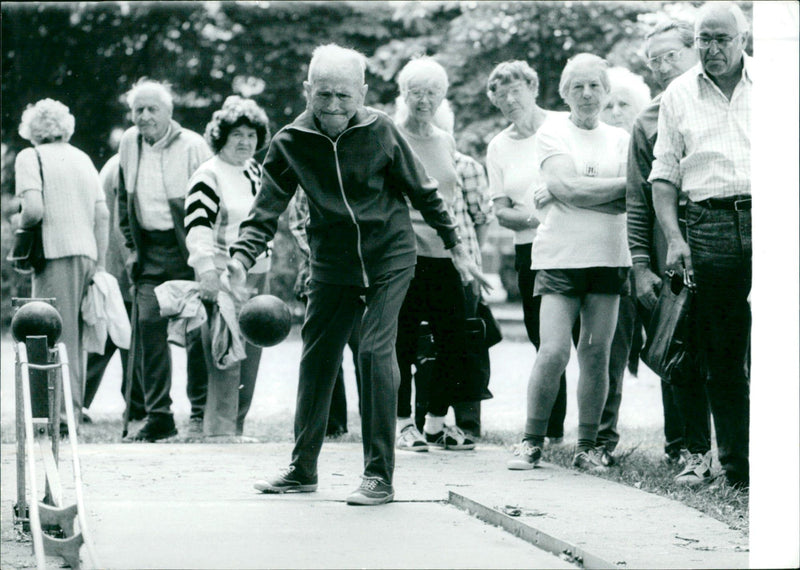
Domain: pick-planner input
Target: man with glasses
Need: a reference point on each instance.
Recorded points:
(669, 52)
(703, 149)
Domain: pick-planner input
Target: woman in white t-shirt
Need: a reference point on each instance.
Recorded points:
(220, 194)
(580, 254)
(513, 175)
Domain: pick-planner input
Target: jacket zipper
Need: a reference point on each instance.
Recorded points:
(341, 188)
(350, 211)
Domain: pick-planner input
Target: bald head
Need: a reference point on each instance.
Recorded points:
(723, 11)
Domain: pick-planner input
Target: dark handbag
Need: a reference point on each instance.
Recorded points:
(493, 333)
(667, 351)
(27, 253)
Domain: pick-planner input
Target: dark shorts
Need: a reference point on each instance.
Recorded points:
(581, 282)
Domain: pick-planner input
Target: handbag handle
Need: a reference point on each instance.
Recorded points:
(688, 280)
(41, 170)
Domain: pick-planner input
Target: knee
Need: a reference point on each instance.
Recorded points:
(594, 356)
(552, 357)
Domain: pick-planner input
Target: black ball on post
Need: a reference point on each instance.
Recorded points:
(37, 318)
(265, 320)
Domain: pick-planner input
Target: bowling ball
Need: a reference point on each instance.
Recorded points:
(265, 320)
(36, 318)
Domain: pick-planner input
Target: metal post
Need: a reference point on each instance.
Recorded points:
(21, 507)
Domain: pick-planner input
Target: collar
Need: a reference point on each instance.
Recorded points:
(173, 131)
(306, 121)
(747, 70)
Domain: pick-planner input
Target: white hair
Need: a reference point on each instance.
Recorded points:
(47, 120)
(582, 59)
(162, 89)
(424, 67)
(333, 55)
(742, 25)
(624, 78)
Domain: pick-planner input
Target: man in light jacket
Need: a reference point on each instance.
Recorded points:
(157, 157)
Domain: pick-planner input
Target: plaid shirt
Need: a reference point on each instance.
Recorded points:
(298, 219)
(703, 144)
(472, 206)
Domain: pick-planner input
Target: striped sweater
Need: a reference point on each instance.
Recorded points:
(219, 199)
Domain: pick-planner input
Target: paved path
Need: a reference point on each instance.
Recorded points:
(193, 506)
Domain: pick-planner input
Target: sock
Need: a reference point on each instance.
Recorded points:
(433, 424)
(587, 436)
(403, 423)
(534, 431)
(534, 440)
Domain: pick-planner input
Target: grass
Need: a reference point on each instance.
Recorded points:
(639, 453)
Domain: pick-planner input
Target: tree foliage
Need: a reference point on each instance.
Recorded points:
(88, 55)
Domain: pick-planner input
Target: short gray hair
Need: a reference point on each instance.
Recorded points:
(333, 54)
(45, 121)
(582, 59)
(685, 31)
(509, 71)
(742, 25)
(163, 89)
(423, 67)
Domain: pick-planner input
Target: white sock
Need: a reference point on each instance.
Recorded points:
(433, 424)
(403, 423)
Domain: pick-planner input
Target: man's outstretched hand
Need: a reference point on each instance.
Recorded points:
(467, 268)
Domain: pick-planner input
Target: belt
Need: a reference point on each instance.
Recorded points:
(737, 203)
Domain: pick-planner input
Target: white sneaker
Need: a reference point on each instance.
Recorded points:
(697, 471)
(410, 439)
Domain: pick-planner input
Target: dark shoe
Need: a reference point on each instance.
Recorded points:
(286, 481)
(588, 461)
(372, 491)
(451, 437)
(85, 417)
(605, 456)
(137, 415)
(156, 429)
(335, 431)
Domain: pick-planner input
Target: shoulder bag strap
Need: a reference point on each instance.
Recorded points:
(41, 171)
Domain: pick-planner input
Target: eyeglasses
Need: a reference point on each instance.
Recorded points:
(517, 91)
(721, 41)
(431, 94)
(670, 57)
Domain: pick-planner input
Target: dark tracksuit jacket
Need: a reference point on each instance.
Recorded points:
(357, 186)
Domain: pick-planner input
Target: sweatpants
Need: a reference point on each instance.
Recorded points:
(331, 314)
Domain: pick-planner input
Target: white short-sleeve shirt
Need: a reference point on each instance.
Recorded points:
(571, 237)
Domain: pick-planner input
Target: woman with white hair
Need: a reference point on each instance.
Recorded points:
(436, 294)
(629, 95)
(59, 186)
(220, 195)
(580, 254)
